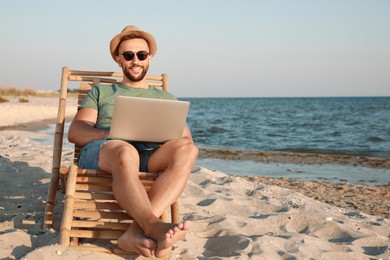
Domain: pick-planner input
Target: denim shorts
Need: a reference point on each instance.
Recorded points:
(89, 154)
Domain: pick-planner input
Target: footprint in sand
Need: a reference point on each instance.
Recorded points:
(206, 202)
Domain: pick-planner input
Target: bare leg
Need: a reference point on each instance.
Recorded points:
(175, 160)
(121, 159)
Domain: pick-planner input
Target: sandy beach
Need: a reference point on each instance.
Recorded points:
(233, 217)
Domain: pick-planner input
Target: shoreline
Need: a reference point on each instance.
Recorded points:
(299, 158)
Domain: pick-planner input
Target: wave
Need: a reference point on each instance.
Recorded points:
(375, 139)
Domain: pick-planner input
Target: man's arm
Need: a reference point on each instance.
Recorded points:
(82, 130)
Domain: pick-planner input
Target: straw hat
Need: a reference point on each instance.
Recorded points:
(133, 30)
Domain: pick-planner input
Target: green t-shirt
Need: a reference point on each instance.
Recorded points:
(102, 98)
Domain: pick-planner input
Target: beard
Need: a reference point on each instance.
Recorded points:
(135, 78)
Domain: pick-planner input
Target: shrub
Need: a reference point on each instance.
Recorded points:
(23, 100)
(3, 100)
(12, 91)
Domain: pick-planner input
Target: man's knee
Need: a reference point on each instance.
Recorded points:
(126, 154)
(117, 155)
(187, 149)
(181, 153)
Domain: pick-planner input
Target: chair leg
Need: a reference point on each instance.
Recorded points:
(74, 241)
(175, 212)
(63, 176)
(51, 197)
(48, 216)
(69, 204)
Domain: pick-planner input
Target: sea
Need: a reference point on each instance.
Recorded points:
(339, 125)
(345, 125)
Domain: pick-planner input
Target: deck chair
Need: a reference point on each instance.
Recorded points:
(91, 212)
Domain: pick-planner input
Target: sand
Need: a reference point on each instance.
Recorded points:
(38, 109)
(233, 217)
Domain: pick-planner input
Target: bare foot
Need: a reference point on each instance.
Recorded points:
(168, 234)
(135, 241)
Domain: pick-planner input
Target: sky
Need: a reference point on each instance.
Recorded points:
(216, 48)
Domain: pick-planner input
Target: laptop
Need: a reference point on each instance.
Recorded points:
(148, 120)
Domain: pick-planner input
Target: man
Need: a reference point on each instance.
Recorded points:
(133, 50)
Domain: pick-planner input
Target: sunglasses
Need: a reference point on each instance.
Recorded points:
(129, 55)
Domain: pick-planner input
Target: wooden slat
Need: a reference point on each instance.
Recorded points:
(93, 172)
(100, 225)
(95, 180)
(93, 187)
(109, 80)
(97, 173)
(154, 78)
(83, 92)
(93, 249)
(147, 183)
(81, 98)
(94, 196)
(96, 73)
(96, 205)
(100, 214)
(107, 74)
(148, 175)
(106, 250)
(93, 79)
(85, 87)
(103, 181)
(114, 234)
(155, 84)
(99, 188)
